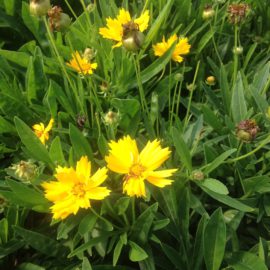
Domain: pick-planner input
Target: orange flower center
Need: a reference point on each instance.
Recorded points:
(78, 190)
(136, 170)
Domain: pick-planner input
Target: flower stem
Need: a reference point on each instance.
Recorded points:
(235, 56)
(139, 81)
(191, 95)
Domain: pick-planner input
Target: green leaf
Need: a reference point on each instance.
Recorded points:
(87, 224)
(86, 264)
(218, 161)
(234, 203)
(181, 149)
(238, 103)
(5, 126)
(32, 142)
(80, 144)
(117, 252)
(121, 205)
(160, 224)
(204, 40)
(30, 266)
(3, 231)
(214, 185)
(136, 253)
(56, 152)
(41, 242)
(28, 195)
(246, 261)
(214, 241)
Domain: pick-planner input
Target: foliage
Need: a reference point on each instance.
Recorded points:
(216, 213)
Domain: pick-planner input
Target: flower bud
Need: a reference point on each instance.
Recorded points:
(247, 130)
(132, 37)
(178, 77)
(39, 7)
(25, 170)
(111, 118)
(191, 87)
(89, 54)
(197, 175)
(238, 50)
(208, 12)
(104, 87)
(210, 80)
(58, 20)
(81, 119)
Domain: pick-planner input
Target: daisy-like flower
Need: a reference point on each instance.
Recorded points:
(124, 158)
(182, 47)
(74, 188)
(81, 65)
(115, 27)
(43, 132)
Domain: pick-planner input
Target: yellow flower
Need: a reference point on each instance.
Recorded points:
(74, 188)
(182, 47)
(81, 65)
(124, 158)
(43, 132)
(114, 29)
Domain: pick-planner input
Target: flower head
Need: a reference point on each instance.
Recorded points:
(81, 65)
(74, 188)
(182, 47)
(43, 132)
(116, 27)
(124, 158)
(247, 130)
(237, 12)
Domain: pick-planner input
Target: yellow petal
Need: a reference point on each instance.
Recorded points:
(83, 168)
(67, 176)
(49, 126)
(158, 178)
(38, 127)
(98, 178)
(98, 193)
(152, 156)
(134, 186)
(123, 16)
(143, 21)
(122, 155)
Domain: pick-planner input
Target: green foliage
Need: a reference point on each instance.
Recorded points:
(216, 213)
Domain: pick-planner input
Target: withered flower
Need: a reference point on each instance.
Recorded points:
(247, 130)
(58, 20)
(237, 12)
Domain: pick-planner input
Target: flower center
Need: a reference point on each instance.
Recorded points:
(136, 170)
(78, 190)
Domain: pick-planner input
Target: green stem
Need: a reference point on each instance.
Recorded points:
(62, 65)
(235, 58)
(191, 95)
(173, 103)
(214, 44)
(263, 143)
(170, 75)
(145, 6)
(139, 81)
(133, 209)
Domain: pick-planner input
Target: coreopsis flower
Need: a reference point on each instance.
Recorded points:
(124, 27)
(74, 188)
(247, 130)
(81, 65)
(182, 47)
(124, 158)
(43, 132)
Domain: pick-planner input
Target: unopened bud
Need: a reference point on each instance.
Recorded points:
(89, 54)
(197, 175)
(208, 13)
(191, 87)
(25, 170)
(210, 80)
(39, 7)
(111, 118)
(238, 50)
(3, 204)
(132, 38)
(178, 77)
(104, 87)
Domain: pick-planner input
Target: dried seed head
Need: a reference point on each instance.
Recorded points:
(81, 119)
(58, 20)
(247, 130)
(237, 12)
